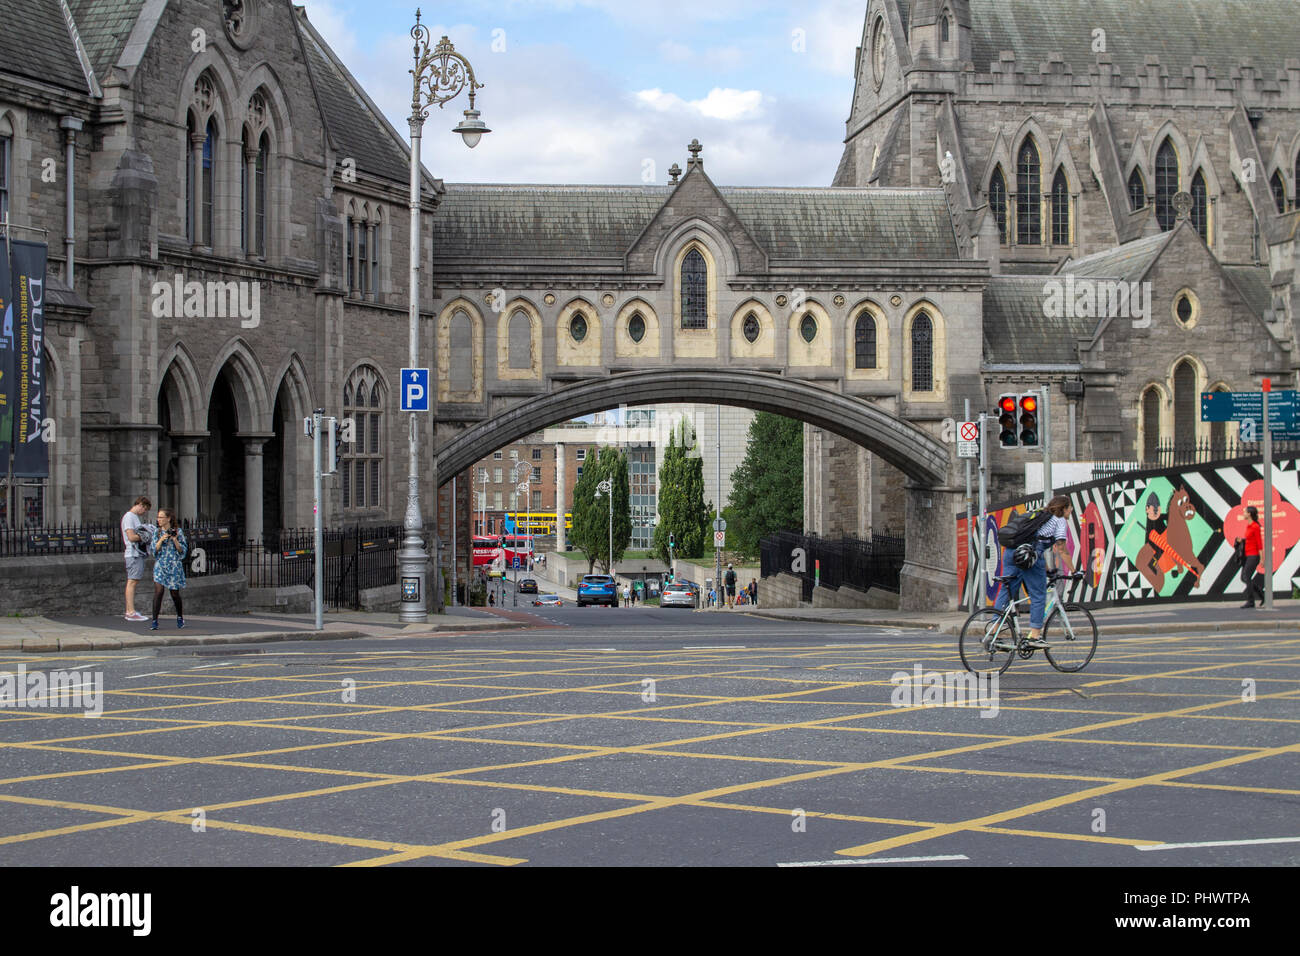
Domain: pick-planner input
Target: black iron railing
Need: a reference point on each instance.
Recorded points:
(1167, 454)
(863, 563)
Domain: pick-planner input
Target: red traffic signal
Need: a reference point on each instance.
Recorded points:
(1007, 421)
(1029, 420)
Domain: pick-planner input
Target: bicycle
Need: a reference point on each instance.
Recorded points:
(985, 648)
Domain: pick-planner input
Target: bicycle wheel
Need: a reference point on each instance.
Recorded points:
(985, 645)
(1077, 642)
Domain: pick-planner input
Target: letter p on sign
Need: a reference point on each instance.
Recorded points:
(415, 389)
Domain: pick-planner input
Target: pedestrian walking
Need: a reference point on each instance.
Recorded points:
(730, 580)
(1254, 548)
(134, 533)
(753, 591)
(169, 547)
(627, 596)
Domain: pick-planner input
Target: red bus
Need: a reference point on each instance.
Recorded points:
(520, 545)
(487, 548)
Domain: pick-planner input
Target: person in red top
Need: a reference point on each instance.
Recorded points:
(1254, 548)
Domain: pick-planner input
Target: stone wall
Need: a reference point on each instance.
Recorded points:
(93, 584)
(780, 590)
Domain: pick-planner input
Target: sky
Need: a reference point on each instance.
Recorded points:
(612, 91)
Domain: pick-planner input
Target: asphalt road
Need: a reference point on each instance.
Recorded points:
(657, 737)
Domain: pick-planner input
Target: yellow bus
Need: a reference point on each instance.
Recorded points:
(539, 522)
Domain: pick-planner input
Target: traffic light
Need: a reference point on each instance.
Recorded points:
(1007, 421)
(1029, 420)
(672, 541)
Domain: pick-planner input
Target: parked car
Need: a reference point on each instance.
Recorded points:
(597, 589)
(679, 594)
(527, 586)
(548, 600)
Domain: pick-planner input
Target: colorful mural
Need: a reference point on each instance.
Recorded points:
(1157, 535)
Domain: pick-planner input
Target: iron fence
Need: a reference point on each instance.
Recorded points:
(832, 562)
(1168, 454)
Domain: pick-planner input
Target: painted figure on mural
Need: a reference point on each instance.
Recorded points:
(1168, 548)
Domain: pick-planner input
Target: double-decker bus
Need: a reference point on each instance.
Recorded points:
(517, 545)
(539, 523)
(487, 548)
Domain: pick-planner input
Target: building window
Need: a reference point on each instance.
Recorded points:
(364, 233)
(352, 238)
(808, 327)
(1137, 190)
(1187, 403)
(998, 203)
(363, 458)
(460, 338)
(209, 176)
(582, 454)
(922, 353)
(751, 328)
(579, 471)
(695, 289)
(1185, 309)
(537, 501)
(519, 340)
(1279, 191)
(864, 342)
(363, 260)
(537, 454)
(496, 500)
(636, 327)
(1166, 184)
(1150, 424)
(943, 30)
(1060, 210)
(1029, 226)
(578, 327)
(497, 455)
(259, 190)
(514, 454)
(537, 475)
(6, 150)
(496, 476)
(1200, 206)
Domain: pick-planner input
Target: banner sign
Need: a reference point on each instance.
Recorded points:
(31, 459)
(6, 359)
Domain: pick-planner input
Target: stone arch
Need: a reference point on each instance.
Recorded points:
(264, 78)
(1148, 444)
(820, 351)
(938, 353)
(624, 345)
(569, 351)
(508, 362)
(185, 393)
(762, 347)
(251, 401)
(881, 372)
(717, 247)
(446, 393)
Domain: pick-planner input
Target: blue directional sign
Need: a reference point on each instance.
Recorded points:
(415, 389)
(1283, 410)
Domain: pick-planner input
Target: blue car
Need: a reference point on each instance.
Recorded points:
(597, 589)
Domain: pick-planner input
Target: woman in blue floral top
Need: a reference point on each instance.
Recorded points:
(169, 565)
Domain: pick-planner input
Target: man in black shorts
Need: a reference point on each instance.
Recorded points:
(730, 579)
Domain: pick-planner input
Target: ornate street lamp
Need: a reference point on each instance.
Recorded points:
(440, 74)
(607, 486)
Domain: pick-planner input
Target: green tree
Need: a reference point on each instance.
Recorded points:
(767, 488)
(591, 522)
(682, 510)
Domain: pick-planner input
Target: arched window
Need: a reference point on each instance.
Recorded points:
(519, 337)
(1029, 189)
(460, 368)
(362, 240)
(209, 177)
(636, 327)
(1166, 184)
(1279, 191)
(695, 291)
(190, 198)
(1150, 424)
(1186, 404)
(1137, 190)
(864, 341)
(944, 29)
(6, 152)
(351, 252)
(1060, 210)
(259, 175)
(362, 465)
(922, 353)
(998, 203)
(751, 328)
(1200, 206)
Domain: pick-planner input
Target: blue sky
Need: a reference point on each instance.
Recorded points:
(611, 91)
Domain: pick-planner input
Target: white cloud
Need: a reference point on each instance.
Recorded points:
(720, 103)
(675, 52)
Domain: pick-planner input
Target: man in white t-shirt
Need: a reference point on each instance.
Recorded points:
(133, 540)
(1052, 535)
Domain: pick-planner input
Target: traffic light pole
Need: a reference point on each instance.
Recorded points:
(981, 580)
(1268, 504)
(966, 417)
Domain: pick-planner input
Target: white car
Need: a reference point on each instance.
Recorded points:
(678, 595)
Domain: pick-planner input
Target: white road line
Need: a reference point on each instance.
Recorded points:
(591, 648)
(82, 667)
(125, 659)
(202, 666)
(1185, 846)
(894, 859)
(152, 674)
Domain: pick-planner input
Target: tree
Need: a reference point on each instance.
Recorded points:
(767, 488)
(682, 510)
(590, 532)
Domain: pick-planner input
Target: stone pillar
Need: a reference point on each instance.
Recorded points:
(253, 487)
(929, 578)
(560, 498)
(864, 493)
(250, 202)
(372, 285)
(187, 451)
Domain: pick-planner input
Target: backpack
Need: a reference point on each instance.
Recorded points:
(1022, 528)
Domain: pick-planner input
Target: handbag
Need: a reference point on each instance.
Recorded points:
(1239, 551)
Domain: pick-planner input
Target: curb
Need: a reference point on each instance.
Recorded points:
(1257, 626)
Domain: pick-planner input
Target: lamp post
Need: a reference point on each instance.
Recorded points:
(439, 75)
(607, 486)
(517, 473)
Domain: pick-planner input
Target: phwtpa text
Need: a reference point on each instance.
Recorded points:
(953, 689)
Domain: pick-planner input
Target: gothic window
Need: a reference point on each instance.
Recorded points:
(1150, 424)
(259, 176)
(361, 468)
(808, 327)
(636, 327)
(998, 203)
(1137, 190)
(578, 327)
(6, 150)
(695, 289)
(943, 29)
(1200, 206)
(519, 337)
(352, 238)
(864, 342)
(460, 374)
(1166, 184)
(364, 234)
(751, 328)
(1187, 401)
(209, 175)
(922, 353)
(1060, 210)
(1279, 191)
(363, 259)
(1029, 225)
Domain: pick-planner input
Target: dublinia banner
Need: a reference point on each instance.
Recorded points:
(28, 390)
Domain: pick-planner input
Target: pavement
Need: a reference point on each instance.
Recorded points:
(112, 632)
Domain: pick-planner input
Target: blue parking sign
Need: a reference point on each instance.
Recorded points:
(516, 562)
(415, 389)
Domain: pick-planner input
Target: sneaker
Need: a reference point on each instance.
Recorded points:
(135, 616)
(180, 622)
(153, 625)
(1036, 642)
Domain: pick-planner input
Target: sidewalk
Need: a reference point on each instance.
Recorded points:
(105, 633)
(1195, 617)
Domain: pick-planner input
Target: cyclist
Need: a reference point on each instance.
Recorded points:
(1051, 536)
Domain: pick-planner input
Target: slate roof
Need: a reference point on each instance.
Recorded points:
(1223, 32)
(1254, 285)
(1127, 262)
(490, 222)
(35, 43)
(1016, 330)
(104, 26)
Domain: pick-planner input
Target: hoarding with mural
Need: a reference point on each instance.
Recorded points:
(1154, 536)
